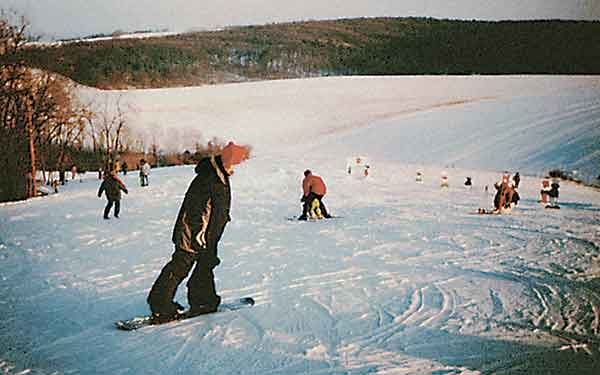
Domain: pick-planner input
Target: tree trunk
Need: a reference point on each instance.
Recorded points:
(32, 188)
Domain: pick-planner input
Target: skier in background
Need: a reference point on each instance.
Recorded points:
(313, 187)
(202, 218)
(112, 186)
(468, 182)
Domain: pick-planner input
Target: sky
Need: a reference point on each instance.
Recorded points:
(58, 19)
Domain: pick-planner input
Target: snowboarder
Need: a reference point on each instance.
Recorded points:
(124, 168)
(202, 218)
(112, 186)
(313, 188)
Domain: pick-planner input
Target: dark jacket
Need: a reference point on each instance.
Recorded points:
(554, 190)
(517, 179)
(204, 211)
(112, 185)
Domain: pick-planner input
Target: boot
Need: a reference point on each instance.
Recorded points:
(173, 314)
(204, 308)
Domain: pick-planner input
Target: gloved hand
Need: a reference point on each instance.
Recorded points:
(303, 199)
(125, 191)
(99, 195)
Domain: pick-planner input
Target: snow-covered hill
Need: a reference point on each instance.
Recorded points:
(406, 281)
(531, 123)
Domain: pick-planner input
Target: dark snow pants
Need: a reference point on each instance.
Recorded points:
(307, 202)
(109, 205)
(201, 285)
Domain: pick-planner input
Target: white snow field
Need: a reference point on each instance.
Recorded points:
(406, 281)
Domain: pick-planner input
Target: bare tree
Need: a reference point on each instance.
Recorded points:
(110, 127)
(36, 113)
(17, 154)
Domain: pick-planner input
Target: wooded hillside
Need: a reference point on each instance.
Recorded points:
(372, 46)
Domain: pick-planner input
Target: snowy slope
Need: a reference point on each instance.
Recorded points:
(473, 119)
(407, 281)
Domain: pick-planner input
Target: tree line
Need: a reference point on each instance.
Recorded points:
(368, 46)
(43, 125)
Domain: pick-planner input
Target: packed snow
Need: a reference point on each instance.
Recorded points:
(407, 279)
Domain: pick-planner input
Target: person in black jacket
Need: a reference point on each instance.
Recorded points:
(112, 185)
(553, 193)
(200, 223)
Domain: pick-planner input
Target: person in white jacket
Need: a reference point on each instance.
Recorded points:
(144, 172)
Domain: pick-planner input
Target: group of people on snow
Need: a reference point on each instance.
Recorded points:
(507, 195)
(205, 212)
(202, 218)
(200, 223)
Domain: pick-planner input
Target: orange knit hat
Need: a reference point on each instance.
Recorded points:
(234, 154)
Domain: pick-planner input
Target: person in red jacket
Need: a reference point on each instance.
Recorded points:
(313, 187)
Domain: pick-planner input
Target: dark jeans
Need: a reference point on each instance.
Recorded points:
(307, 202)
(201, 285)
(109, 205)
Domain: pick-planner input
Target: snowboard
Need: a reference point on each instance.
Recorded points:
(295, 218)
(146, 320)
(555, 207)
(484, 211)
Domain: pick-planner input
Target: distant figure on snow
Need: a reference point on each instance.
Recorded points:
(468, 182)
(505, 194)
(545, 190)
(314, 189)
(124, 168)
(517, 180)
(144, 172)
(553, 194)
(202, 218)
(419, 178)
(444, 182)
(112, 186)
